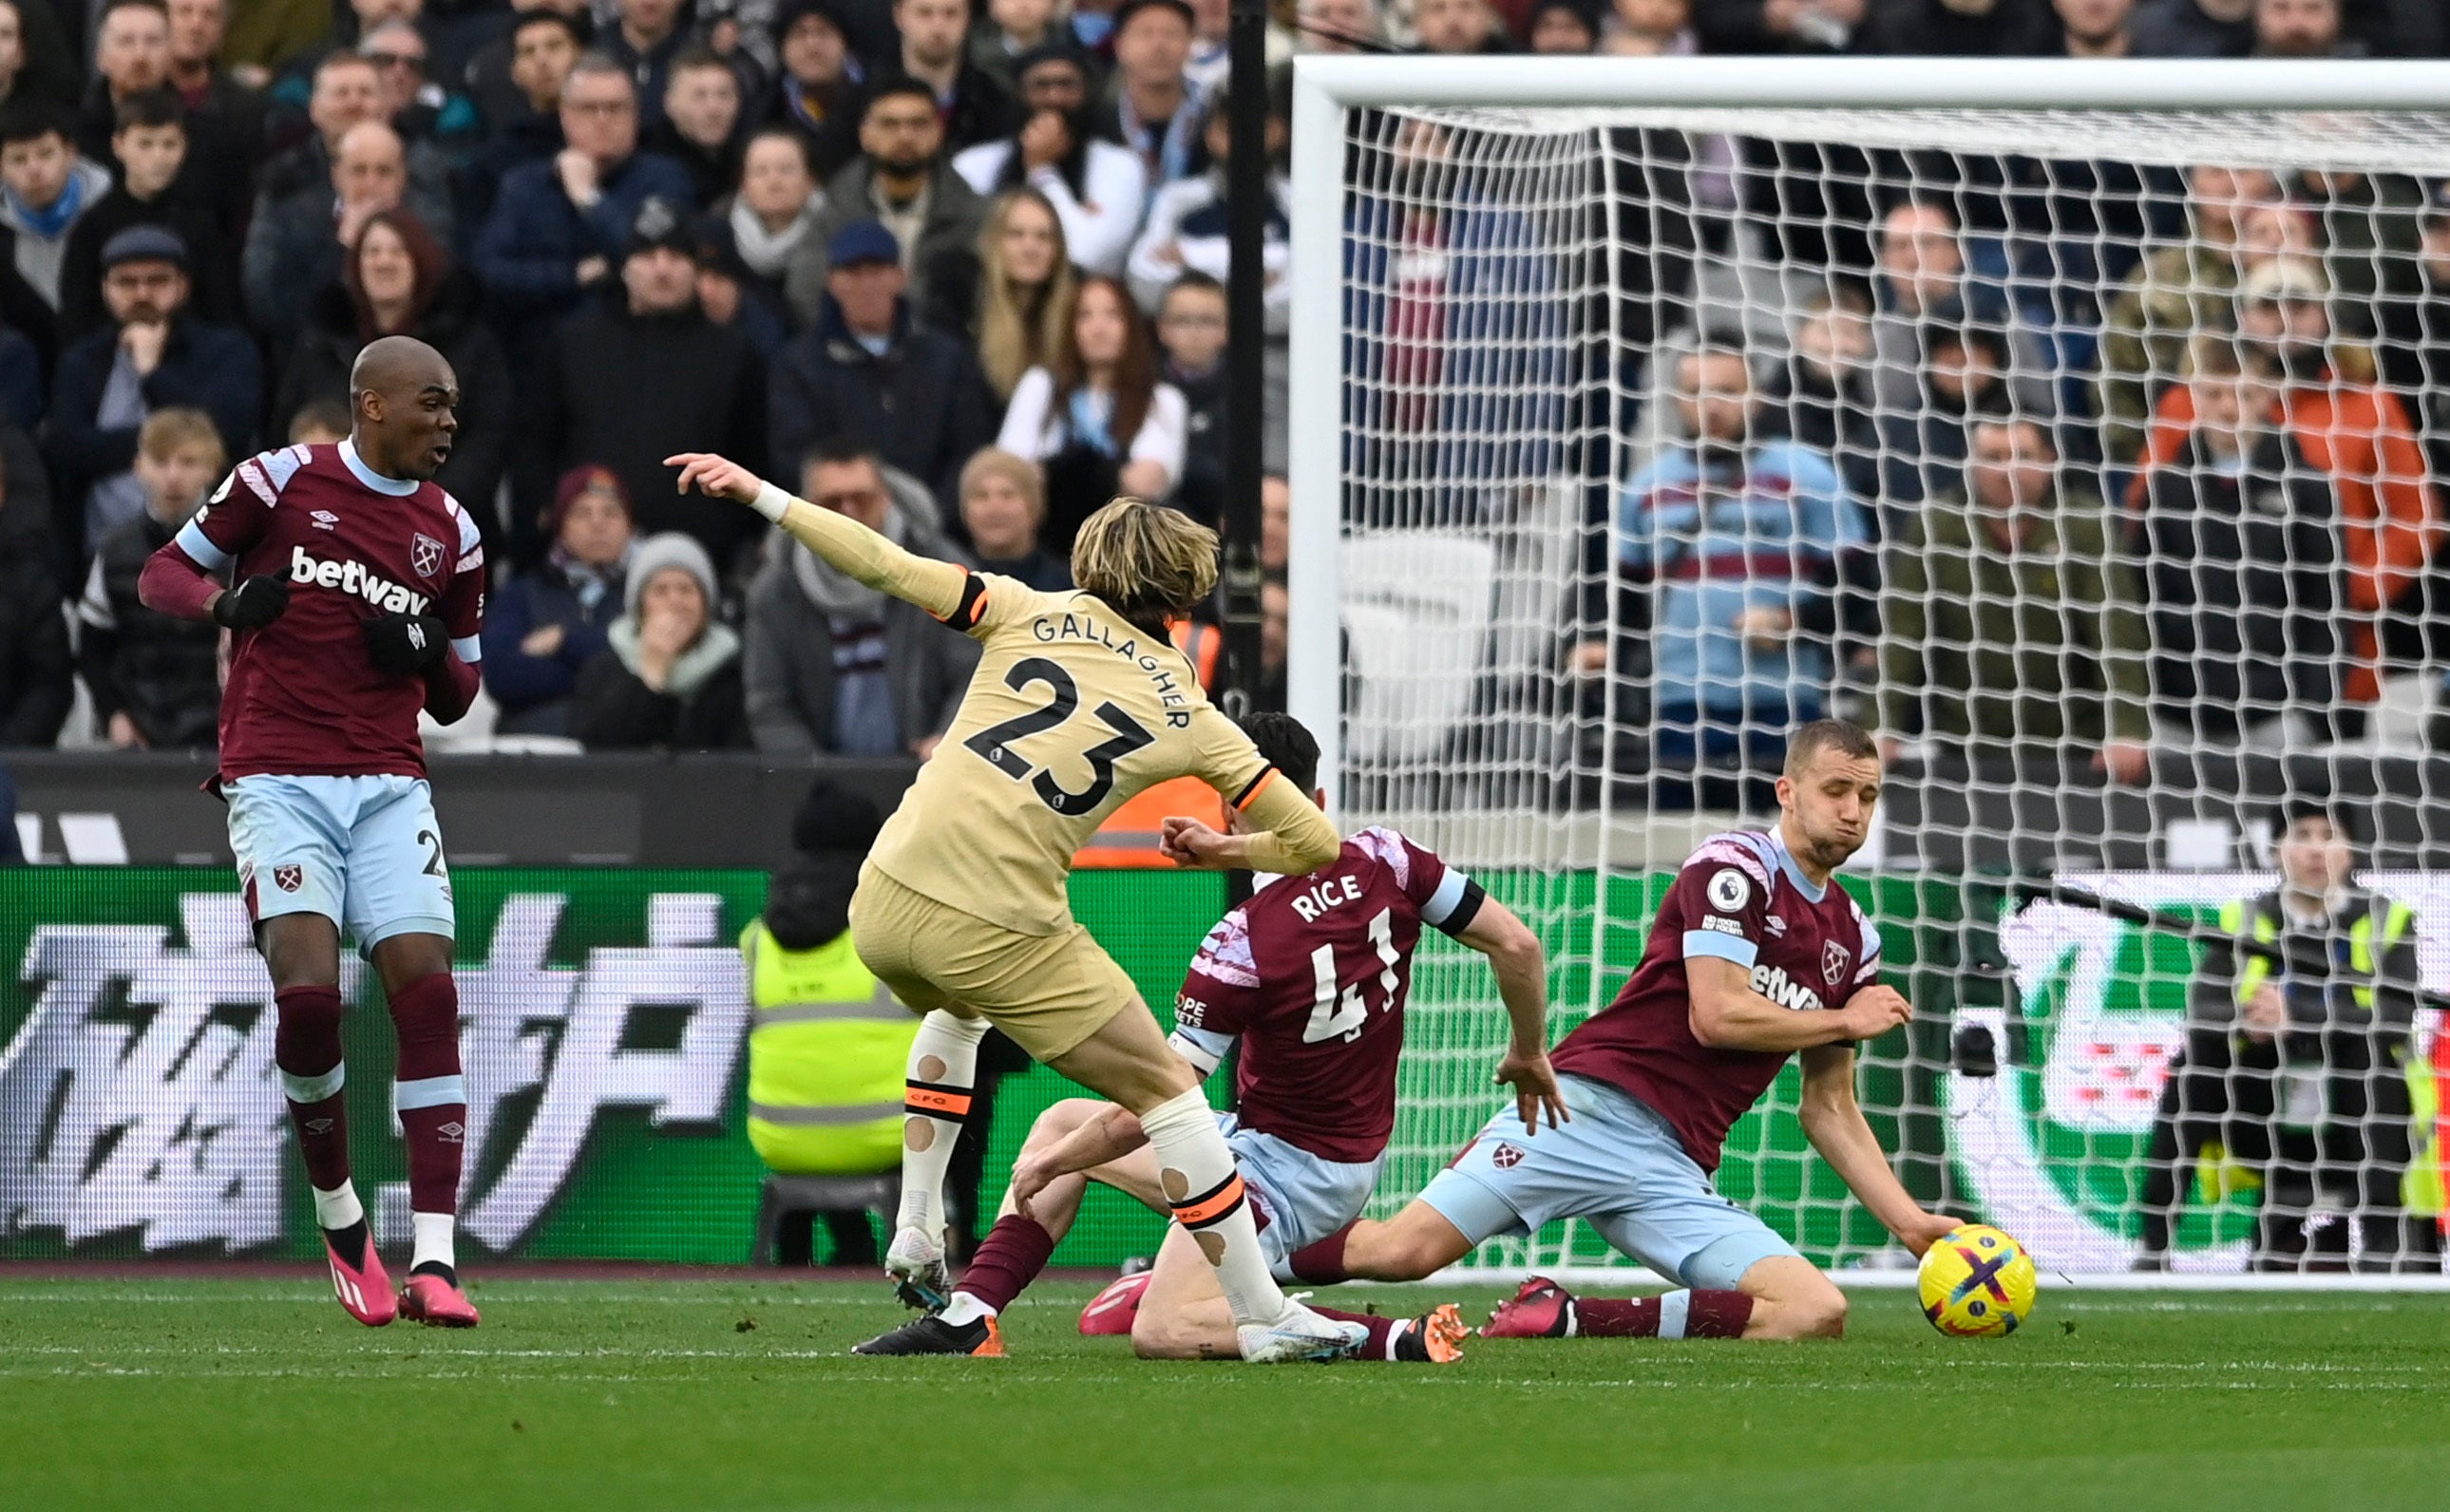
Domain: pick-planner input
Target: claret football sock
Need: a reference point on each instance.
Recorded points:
(1009, 1258)
(1381, 1343)
(1674, 1315)
(1196, 1169)
(936, 1099)
(432, 1098)
(1322, 1263)
(306, 1047)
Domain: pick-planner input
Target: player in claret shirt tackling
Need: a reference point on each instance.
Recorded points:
(1756, 954)
(1312, 976)
(357, 587)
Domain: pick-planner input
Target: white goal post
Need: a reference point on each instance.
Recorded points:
(1459, 535)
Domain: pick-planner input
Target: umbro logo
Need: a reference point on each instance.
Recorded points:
(324, 519)
(1776, 925)
(451, 1133)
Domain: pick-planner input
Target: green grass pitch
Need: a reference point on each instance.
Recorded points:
(733, 1396)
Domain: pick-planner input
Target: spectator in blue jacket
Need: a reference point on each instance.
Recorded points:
(1733, 543)
(544, 626)
(152, 357)
(558, 228)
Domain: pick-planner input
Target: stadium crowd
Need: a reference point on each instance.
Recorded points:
(957, 274)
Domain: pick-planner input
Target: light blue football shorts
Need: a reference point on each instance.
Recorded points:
(364, 852)
(1617, 1166)
(1307, 1198)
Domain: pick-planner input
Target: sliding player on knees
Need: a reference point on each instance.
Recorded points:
(1080, 703)
(1311, 975)
(1756, 955)
(357, 589)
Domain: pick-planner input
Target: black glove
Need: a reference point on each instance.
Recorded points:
(403, 643)
(253, 604)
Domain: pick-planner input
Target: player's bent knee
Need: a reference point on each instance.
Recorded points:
(1814, 1312)
(1160, 1335)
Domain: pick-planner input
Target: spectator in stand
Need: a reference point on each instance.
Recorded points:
(2195, 29)
(630, 382)
(730, 294)
(646, 38)
(2369, 227)
(869, 369)
(2415, 335)
(1027, 286)
(668, 676)
(557, 226)
(1738, 661)
(1650, 28)
(270, 35)
(1149, 106)
(1778, 25)
(1563, 29)
(899, 179)
(839, 667)
(154, 355)
(1459, 27)
(1191, 332)
(131, 55)
(2013, 626)
(970, 103)
(1275, 524)
(234, 112)
(2301, 28)
(300, 244)
(1922, 272)
(37, 682)
(524, 126)
(418, 108)
(1098, 419)
(1825, 389)
(1188, 221)
(1923, 451)
(321, 423)
(820, 95)
(21, 384)
(47, 184)
(544, 627)
(778, 208)
(399, 281)
(2357, 434)
(1211, 59)
(2240, 557)
(2090, 28)
(700, 126)
(2179, 289)
(151, 145)
(298, 186)
(1097, 189)
(1955, 28)
(34, 58)
(1339, 26)
(1003, 506)
(154, 678)
(1011, 30)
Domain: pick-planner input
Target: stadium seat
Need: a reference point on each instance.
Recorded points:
(1416, 605)
(787, 1196)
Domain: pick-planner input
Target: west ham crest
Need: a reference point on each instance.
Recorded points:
(289, 878)
(1506, 1158)
(425, 555)
(1833, 961)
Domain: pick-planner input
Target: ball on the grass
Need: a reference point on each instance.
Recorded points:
(1976, 1283)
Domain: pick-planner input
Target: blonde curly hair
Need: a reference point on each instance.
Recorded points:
(1149, 563)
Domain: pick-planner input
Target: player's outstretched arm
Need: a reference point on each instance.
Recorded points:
(1728, 1015)
(851, 547)
(1834, 1122)
(1288, 837)
(1520, 968)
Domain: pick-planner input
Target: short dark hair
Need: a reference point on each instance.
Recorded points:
(893, 85)
(698, 55)
(28, 119)
(1849, 741)
(842, 450)
(149, 109)
(779, 132)
(1194, 279)
(1286, 744)
(548, 18)
(2297, 810)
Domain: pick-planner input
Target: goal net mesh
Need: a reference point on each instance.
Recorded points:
(2091, 459)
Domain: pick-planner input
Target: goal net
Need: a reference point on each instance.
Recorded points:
(2091, 454)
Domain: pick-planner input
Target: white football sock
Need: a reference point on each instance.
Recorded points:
(936, 1097)
(337, 1208)
(1198, 1175)
(966, 1309)
(434, 1242)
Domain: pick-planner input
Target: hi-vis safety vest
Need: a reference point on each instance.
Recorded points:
(2422, 1189)
(827, 1049)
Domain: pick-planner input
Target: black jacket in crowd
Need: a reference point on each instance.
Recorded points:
(2241, 584)
(36, 681)
(212, 266)
(924, 404)
(157, 669)
(613, 711)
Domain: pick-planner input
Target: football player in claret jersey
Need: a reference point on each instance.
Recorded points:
(356, 591)
(1080, 703)
(1757, 954)
(1310, 976)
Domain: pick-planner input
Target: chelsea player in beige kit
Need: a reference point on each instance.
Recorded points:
(1079, 701)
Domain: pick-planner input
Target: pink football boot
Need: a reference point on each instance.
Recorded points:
(436, 1303)
(1542, 1310)
(364, 1291)
(1111, 1312)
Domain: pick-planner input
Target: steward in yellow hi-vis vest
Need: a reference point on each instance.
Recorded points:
(827, 1043)
(2304, 1074)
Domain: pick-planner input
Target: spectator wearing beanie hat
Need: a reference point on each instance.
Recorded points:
(669, 677)
(544, 627)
